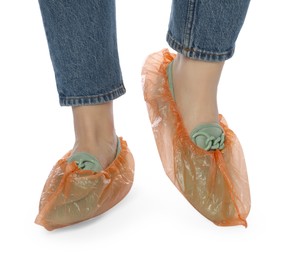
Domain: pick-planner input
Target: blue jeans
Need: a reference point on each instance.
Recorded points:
(82, 41)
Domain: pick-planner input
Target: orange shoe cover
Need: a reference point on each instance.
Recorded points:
(214, 182)
(71, 195)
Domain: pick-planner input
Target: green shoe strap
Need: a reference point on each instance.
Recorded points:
(209, 136)
(118, 147)
(86, 161)
(170, 79)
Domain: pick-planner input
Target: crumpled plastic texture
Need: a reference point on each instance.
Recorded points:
(71, 195)
(214, 182)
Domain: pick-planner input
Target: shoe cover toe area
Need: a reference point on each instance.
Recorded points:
(71, 195)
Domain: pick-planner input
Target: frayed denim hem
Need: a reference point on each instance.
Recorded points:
(197, 53)
(92, 100)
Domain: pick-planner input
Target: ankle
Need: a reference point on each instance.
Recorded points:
(92, 120)
(200, 76)
(95, 133)
(195, 89)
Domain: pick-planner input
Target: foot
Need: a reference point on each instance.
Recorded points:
(195, 92)
(95, 133)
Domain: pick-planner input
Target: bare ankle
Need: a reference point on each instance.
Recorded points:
(95, 132)
(89, 119)
(195, 88)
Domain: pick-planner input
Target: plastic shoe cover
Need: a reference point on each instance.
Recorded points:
(214, 182)
(71, 195)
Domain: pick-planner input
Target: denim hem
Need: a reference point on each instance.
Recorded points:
(92, 100)
(197, 53)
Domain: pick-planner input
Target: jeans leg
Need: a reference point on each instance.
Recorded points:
(82, 41)
(206, 29)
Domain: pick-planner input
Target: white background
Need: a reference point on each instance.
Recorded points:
(154, 221)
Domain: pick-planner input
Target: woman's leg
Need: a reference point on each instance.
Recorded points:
(204, 35)
(83, 48)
